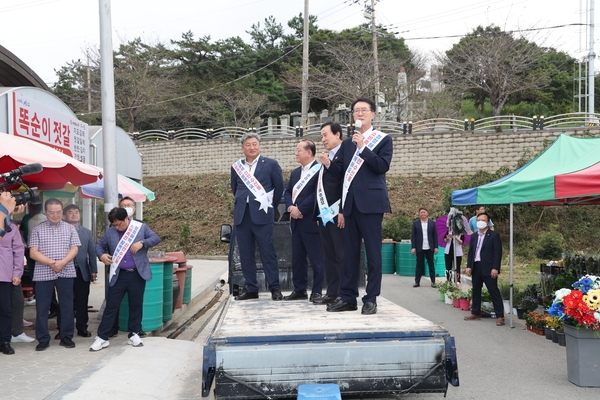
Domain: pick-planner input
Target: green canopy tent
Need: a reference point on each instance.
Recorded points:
(566, 173)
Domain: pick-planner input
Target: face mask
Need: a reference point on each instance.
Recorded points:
(481, 224)
(129, 211)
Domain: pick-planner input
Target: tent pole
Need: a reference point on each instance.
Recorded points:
(511, 266)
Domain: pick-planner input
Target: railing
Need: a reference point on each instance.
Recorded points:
(484, 125)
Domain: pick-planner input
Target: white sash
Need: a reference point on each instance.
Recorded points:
(327, 213)
(122, 247)
(301, 184)
(265, 199)
(371, 141)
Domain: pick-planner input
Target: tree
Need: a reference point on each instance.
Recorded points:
(493, 62)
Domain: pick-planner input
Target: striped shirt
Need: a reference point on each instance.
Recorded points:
(54, 242)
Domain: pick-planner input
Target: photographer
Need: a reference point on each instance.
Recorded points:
(7, 203)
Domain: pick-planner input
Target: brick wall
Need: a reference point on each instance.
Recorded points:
(427, 155)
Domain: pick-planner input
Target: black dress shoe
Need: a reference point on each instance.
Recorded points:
(416, 285)
(247, 296)
(324, 300)
(67, 342)
(276, 295)
(5, 348)
(53, 314)
(342, 306)
(84, 333)
(113, 334)
(142, 334)
(42, 346)
(315, 296)
(57, 336)
(297, 296)
(333, 303)
(369, 308)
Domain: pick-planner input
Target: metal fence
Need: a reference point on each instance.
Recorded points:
(491, 124)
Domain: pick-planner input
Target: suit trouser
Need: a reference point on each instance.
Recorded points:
(332, 245)
(421, 256)
(6, 297)
(132, 284)
(303, 244)
(81, 294)
(359, 227)
(491, 284)
(248, 235)
(18, 304)
(44, 291)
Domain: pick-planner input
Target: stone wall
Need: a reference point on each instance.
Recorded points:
(427, 155)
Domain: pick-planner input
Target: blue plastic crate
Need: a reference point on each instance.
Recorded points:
(314, 391)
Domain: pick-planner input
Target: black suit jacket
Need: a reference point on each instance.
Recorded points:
(491, 252)
(305, 201)
(332, 185)
(416, 235)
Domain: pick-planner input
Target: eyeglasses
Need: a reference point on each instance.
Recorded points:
(361, 110)
(117, 223)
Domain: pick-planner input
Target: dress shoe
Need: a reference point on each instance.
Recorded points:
(142, 334)
(57, 336)
(416, 285)
(113, 334)
(276, 295)
(324, 300)
(5, 348)
(53, 314)
(315, 296)
(297, 296)
(500, 322)
(42, 346)
(369, 308)
(84, 333)
(247, 296)
(342, 306)
(433, 285)
(67, 342)
(472, 317)
(333, 303)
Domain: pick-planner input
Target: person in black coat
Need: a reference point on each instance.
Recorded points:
(424, 243)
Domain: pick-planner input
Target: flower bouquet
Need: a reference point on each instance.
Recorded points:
(580, 306)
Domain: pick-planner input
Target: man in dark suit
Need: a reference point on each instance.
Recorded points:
(257, 185)
(328, 197)
(85, 267)
(300, 202)
(362, 161)
(483, 264)
(129, 271)
(424, 243)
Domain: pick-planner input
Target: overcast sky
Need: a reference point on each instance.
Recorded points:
(46, 34)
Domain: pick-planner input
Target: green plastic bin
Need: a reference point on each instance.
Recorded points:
(152, 307)
(167, 311)
(187, 287)
(405, 262)
(388, 264)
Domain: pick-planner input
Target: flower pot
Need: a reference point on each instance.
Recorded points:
(442, 296)
(555, 336)
(540, 331)
(562, 340)
(583, 353)
(456, 303)
(486, 305)
(521, 313)
(448, 299)
(465, 304)
(506, 306)
(548, 333)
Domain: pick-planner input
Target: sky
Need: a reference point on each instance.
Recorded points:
(47, 34)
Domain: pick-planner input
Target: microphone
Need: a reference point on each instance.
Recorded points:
(357, 126)
(27, 169)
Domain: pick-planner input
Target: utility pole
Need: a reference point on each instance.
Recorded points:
(89, 84)
(375, 57)
(305, 38)
(591, 70)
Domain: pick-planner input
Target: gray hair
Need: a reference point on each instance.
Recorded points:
(250, 135)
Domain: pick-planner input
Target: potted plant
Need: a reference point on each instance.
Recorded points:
(535, 322)
(517, 296)
(486, 300)
(456, 296)
(579, 309)
(465, 300)
(555, 325)
(528, 303)
(445, 289)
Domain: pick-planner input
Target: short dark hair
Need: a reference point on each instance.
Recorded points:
(478, 206)
(51, 201)
(309, 145)
(486, 215)
(35, 207)
(335, 128)
(70, 207)
(365, 100)
(423, 208)
(122, 199)
(117, 214)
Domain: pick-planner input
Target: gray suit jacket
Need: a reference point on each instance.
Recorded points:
(86, 256)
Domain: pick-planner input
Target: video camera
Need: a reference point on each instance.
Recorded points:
(14, 177)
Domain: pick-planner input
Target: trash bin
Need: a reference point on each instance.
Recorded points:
(167, 311)
(187, 288)
(153, 300)
(388, 266)
(405, 262)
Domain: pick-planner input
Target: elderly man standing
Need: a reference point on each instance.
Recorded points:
(257, 185)
(53, 245)
(85, 267)
(300, 202)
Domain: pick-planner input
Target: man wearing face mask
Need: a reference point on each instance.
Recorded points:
(483, 264)
(129, 205)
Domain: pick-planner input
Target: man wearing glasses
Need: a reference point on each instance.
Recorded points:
(362, 161)
(124, 247)
(53, 245)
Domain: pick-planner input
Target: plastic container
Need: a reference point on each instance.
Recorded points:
(167, 311)
(388, 265)
(313, 391)
(405, 262)
(187, 287)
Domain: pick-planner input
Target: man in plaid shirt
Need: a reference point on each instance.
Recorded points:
(53, 245)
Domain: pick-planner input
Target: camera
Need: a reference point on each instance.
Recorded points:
(14, 178)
